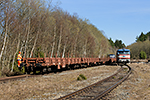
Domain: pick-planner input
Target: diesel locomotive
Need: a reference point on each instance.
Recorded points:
(123, 56)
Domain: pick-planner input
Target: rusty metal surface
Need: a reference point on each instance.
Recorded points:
(56, 63)
(99, 89)
(63, 61)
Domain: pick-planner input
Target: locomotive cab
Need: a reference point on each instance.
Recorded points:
(111, 56)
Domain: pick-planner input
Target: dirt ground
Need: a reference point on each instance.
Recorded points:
(52, 86)
(136, 87)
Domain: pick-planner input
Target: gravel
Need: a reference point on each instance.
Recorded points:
(136, 87)
(54, 85)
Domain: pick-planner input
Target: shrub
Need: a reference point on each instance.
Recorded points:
(113, 77)
(142, 55)
(81, 76)
(5, 72)
(78, 78)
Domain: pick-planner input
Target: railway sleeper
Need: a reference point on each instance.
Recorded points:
(82, 98)
(89, 95)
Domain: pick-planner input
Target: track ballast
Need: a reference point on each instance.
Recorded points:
(101, 88)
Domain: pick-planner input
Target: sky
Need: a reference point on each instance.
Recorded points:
(118, 19)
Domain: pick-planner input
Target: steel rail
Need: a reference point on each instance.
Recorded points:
(101, 94)
(113, 86)
(16, 77)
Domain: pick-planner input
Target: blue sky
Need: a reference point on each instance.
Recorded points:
(119, 19)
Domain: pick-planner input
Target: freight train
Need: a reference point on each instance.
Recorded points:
(56, 63)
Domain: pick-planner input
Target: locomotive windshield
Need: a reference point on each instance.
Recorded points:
(111, 55)
(123, 52)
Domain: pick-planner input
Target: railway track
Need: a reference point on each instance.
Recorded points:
(12, 78)
(98, 90)
(5, 79)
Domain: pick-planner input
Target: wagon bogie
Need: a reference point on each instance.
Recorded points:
(28, 70)
(72, 66)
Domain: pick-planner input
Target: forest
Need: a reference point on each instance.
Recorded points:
(141, 46)
(39, 27)
(117, 44)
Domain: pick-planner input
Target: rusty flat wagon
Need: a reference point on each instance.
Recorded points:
(56, 63)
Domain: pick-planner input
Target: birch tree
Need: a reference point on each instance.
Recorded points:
(5, 11)
(53, 44)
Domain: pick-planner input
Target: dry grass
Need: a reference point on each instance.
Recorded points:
(55, 85)
(136, 87)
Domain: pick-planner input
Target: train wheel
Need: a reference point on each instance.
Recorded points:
(41, 70)
(80, 66)
(110, 62)
(27, 70)
(89, 65)
(34, 70)
(54, 69)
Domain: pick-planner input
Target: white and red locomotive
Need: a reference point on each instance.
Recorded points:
(123, 56)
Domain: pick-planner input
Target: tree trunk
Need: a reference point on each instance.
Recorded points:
(100, 53)
(74, 48)
(15, 53)
(34, 45)
(53, 41)
(4, 43)
(58, 53)
(75, 45)
(9, 61)
(5, 61)
(84, 49)
(64, 48)
(28, 32)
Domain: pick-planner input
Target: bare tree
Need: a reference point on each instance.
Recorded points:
(53, 44)
(5, 26)
(59, 43)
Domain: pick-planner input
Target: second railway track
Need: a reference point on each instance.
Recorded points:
(5, 79)
(98, 90)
